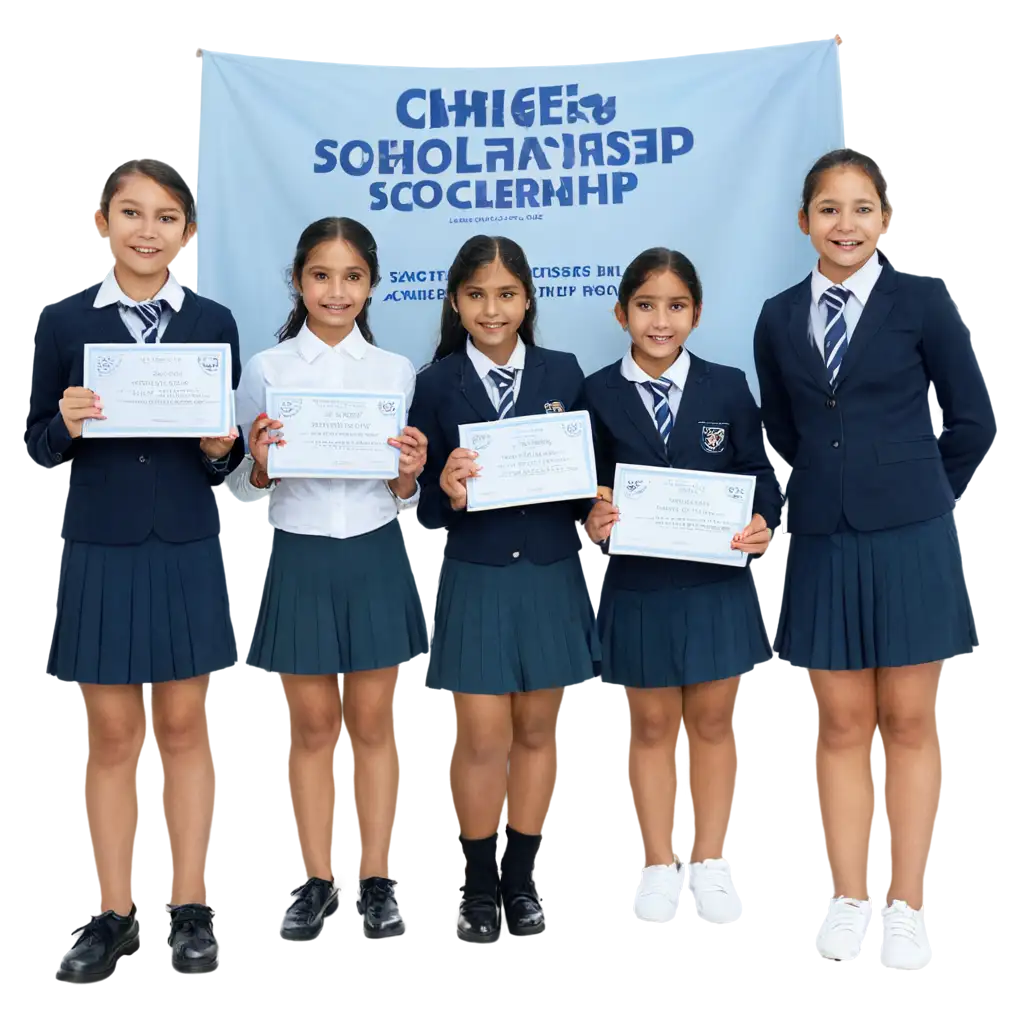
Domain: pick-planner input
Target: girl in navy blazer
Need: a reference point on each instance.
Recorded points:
(142, 593)
(875, 598)
(678, 634)
(513, 623)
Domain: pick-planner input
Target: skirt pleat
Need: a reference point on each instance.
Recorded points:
(681, 636)
(141, 613)
(512, 629)
(876, 600)
(333, 606)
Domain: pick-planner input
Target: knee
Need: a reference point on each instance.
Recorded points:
(180, 729)
(482, 746)
(654, 728)
(313, 732)
(906, 728)
(369, 725)
(116, 739)
(533, 732)
(844, 729)
(711, 726)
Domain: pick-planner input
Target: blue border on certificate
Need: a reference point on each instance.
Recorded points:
(274, 395)
(512, 421)
(98, 428)
(713, 557)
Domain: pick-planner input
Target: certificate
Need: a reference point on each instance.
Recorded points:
(530, 459)
(160, 390)
(341, 434)
(680, 513)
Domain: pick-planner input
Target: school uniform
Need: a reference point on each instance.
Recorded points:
(339, 594)
(667, 622)
(874, 577)
(142, 594)
(512, 612)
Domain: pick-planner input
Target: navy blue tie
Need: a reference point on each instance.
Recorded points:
(659, 390)
(148, 314)
(836, 340)
(504, 380)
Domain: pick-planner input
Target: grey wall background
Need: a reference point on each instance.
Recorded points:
(82, 86)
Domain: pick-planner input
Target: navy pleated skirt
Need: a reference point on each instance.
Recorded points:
(876, 600)
(681, 636)
(513, 628)
(333, 606)
(141, 613)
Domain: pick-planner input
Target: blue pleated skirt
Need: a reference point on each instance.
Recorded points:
(333, 606)
(513, 628)
(876, 600)
(141, 613)
(683, 635)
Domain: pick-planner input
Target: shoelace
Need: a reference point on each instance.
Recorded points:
(93, 931)
(307, 890)
(900, 922)
(188, 916)
(378, 892)
(844, 916)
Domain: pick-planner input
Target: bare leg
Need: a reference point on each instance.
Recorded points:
(532, 760)
(480, 760)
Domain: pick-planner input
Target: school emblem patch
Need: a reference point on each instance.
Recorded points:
(554, 407)
(713, 436)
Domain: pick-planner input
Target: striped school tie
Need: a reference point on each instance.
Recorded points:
(836, 341)
(504, 380)
(148, 314)
(659, 390)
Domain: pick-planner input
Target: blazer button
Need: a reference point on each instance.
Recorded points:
(522, 511)
(57, 457)
(515, 554)
(835, 444)
(830, 403)
(143, 458)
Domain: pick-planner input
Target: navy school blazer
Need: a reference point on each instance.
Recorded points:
(450, 392)
(123, 489)
(867, 450)
(715, 398)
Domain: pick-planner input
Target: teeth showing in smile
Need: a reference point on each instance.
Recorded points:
(334, 307)
(145, 251)
(847, 245)
(660, 338)
(492, 327)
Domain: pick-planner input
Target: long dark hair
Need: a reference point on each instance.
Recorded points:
(163, 174)
(481, 251)
(652, 261)
(844, 158)
(329, 229)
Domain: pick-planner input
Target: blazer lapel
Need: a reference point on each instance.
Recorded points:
(633, 404)
(532, 395)
(107, 326)
(879, 305)
(182, 324)
(473, 390)
(694, 384)
(799, 335)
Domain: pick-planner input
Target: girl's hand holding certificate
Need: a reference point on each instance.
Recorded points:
(754, 538)
(412, 457)
(461, 465)
(78, 405)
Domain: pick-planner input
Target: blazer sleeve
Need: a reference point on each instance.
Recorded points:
(968, 423)
(775, 406)
(46, 435)
(218, 469)
(751, 458)
(435, 508)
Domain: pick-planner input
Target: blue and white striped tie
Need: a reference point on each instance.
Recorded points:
(659, 390)
(836, 341)
(504, 380)
(149, 314)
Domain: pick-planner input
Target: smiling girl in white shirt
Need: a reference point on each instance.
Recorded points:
(339, 595)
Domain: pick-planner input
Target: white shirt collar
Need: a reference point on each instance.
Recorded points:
(483, 364)
(860, 283)
(110, 292)
(309, 346)
(675, 373)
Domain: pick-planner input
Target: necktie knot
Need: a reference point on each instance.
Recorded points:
(148, 314)
(659, 390)
(504, 378)
(836, 297)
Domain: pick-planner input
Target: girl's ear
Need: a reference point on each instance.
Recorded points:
(620, 315)
(188, 234)
(886, 217)
(696, 317)
(451, 300)
(101, 224)
(801, 219)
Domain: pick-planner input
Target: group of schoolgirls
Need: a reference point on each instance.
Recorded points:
(874, 597)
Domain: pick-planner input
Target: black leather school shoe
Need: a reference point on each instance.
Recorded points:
(101, 943)
(193, 947)
(479, 916)
(377, 904)
(523, 914)
(304, 919)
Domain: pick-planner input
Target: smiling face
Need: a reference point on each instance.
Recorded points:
(492, 304)
(335, 285)
(146, 227)
(659, 316)
(844, 220)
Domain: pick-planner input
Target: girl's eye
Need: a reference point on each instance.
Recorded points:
(827, 209)
(678, 306)
(169, 218)
(864, 209)
(320, 276)
(354, 276)
(508, 295)
(643, 305)
(475, 295)
(129, 213)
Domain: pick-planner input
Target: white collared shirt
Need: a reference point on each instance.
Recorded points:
(676, 373)
(483, 364)
(859, 285)
(110, 292)
(322, 508)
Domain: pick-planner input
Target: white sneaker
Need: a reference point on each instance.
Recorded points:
(843, 931)
(657, 895)
(712, 888)
(904, 940)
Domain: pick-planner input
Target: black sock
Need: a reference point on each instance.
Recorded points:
(481, 864)
(520, 853)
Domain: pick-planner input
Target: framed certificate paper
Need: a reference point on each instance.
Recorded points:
(680, 513)
(526, 460)
(341, 434)
(160, 390)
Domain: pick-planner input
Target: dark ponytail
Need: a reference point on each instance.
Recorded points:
(844, 158)
(330, 229)
(481, 251)
(652, 261)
